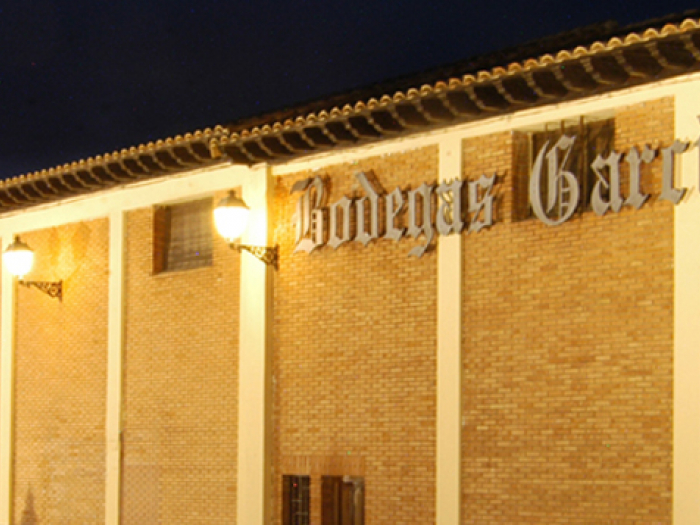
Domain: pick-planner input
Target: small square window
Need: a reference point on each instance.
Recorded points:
(182, 236)
(343, 500)
(295, 500)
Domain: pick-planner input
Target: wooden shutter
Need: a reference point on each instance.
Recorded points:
(331, 500)
(161, 237)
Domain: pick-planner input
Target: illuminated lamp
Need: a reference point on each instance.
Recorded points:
(231, 219)
(18, 258)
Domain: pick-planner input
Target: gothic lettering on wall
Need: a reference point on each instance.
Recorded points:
(556, 201)
(421, 213)
(454, 206)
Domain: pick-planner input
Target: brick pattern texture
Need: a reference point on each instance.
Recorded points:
(568, 351)
(60, 385)
(180, 386)
(354, 355)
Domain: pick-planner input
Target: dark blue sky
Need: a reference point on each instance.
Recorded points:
(80, 78)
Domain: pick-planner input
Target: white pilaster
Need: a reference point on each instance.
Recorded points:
(686, 366)
(115, 345)
(254, 390)
(449, 355)
(7, 390)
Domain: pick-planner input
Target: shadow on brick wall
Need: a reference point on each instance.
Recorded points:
(29, 516)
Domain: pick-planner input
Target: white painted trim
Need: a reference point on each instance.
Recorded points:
(449, 355)
(115, 346)
(254, 372)
(7, 389)
(686, 366)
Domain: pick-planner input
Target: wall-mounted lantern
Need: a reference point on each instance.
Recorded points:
(231, 218)
(18, 258)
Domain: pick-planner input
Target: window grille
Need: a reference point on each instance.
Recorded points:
(182, 236)
(295, 500)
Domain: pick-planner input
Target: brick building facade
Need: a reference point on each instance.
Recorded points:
(497, 351)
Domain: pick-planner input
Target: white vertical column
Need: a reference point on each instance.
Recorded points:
(449, 355)
(7, 390)
(686, 366)
(254, 383)
(115, 345)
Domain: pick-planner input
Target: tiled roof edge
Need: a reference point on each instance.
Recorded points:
(483, 76)
(221, 135)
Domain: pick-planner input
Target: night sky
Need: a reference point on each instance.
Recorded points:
(80, 78)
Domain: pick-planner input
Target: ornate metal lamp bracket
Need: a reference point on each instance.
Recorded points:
(267, 254)
(52, 289)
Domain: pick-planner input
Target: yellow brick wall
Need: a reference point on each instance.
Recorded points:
(61, 367)
(568, 354)
(568, 361)
(354, 355)
(180, 386)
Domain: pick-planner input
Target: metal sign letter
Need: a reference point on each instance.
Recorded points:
(634, 159)
(373, 196)
(309, 219)
(342, 206)
(394, 205)
(562, 188)
(425, 192)
(614, 201)
(476, 206)
(668, 191)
